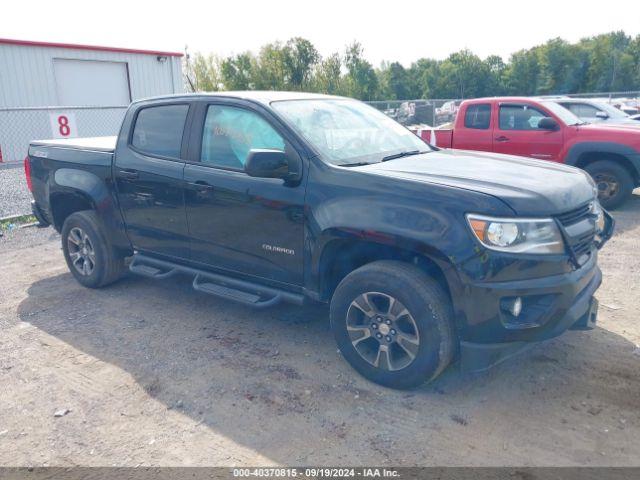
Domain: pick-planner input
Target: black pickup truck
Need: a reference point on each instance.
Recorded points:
(424, 255)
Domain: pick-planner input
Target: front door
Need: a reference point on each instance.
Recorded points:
(517, 133)
(149, 180)
(253, 226)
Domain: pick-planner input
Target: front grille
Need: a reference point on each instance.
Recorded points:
(581, 244)
(575, 215)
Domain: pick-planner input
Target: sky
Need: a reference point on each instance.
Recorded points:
(392, 30)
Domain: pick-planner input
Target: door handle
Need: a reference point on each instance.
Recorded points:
(502, 138)
(202, 186)
(128, 174)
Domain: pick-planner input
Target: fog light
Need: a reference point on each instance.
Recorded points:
(512, 305)
(516, 307)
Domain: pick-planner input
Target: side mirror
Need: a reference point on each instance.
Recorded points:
(548, 123)
(267, 164)
(602, 115)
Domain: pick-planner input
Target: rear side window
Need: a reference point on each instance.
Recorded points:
(478, 116)
(158, 130)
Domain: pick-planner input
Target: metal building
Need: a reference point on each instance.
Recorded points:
(56, 90)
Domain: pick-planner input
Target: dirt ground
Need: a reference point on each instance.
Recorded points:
(153, 373)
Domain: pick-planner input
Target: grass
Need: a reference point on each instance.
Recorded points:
(16, 221)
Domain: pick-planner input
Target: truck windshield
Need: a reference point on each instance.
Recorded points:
(612, 111)
(567, 117)
(347, 132)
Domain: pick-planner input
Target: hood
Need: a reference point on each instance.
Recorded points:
(620, 121)
(529, 187)
(613, 127)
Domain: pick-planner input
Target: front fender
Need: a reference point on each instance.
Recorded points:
(438, 234)
(577, 150)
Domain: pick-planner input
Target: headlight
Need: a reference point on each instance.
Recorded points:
(517, 235)
(596, 210)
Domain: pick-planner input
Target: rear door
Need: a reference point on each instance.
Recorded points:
(252, 226)
(516, 132)
(475, 133)
(148, 172)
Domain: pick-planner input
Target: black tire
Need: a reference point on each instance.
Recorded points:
(106, 266)
(615, 184)
(429, 309)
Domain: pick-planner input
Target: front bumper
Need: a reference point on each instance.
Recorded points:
(582, 315)
(551, 305)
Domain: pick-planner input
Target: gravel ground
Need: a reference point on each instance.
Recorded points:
(152, 373)
(15, 198)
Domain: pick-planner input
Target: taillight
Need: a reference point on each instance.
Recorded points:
(27, 173)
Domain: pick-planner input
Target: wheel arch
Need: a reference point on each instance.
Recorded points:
(342, 255)
(66, 202)
(74, 190)
(583, 154)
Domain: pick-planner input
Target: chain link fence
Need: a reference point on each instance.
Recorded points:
(440, 113)
(19, 126)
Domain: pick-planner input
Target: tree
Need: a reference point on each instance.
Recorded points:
(361, 80)
(595, 64)
(424, 75)
(497, 71)
(205, 73)
(463, 75)
(606, 65)
(327, 77)
(299, 58)
(560, 67)
(271, 71)
(522, 73)
(237, 72)
(395, 82)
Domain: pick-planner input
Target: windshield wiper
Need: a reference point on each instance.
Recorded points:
(356, 164)
(402, 154)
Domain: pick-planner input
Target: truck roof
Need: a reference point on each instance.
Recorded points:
(261, 96)
(504, 99)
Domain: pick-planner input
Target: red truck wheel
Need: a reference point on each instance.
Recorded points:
(614, 182)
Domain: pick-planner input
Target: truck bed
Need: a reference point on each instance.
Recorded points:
(95, 144)
(85, 151)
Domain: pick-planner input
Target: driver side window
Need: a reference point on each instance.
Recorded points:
(519, 117)
(231, 132)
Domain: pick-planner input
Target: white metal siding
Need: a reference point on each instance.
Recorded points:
(91, 82)
(32, 106)
(27, 76)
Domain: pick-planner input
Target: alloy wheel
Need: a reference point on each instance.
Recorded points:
(382, 331)
(81, 251)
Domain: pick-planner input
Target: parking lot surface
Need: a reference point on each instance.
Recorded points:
(15, 198)
(152, 373)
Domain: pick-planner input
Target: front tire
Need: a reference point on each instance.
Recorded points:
(89, 255)
(614, 182)
(393, 324)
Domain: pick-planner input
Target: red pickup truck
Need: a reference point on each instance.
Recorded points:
(544, 130)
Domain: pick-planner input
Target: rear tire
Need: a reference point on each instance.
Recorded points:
(615, 184)
(413, 347)
(89, 255)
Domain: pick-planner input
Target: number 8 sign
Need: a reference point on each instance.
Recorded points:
(63, 124)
